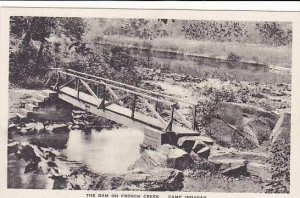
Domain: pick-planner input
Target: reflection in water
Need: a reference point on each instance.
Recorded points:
(108, 151)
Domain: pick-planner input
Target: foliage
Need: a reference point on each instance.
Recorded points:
(233, 58)
(272, 33)
(212, 30)
(37, 43)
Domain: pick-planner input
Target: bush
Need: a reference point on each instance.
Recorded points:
(233, 58)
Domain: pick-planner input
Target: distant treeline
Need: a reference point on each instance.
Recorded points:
(37, 43)
(269, 33)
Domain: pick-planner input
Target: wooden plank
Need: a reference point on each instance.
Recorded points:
(152, 109)
(182, 118)
(118, 113)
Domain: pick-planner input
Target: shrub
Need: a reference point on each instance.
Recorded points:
(233, 58)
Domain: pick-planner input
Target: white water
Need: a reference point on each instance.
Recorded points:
(107, 151)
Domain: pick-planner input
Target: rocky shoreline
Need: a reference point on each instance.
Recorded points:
(241, 150)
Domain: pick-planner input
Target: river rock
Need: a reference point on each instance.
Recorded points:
(165, 149)
(57, 128)
(198, 146)
(12, 128)
(150, 159)
(74, 127)
(31, 166)
(29, 127)
(80, 182)
(241, 126)
(236, 171)
(204, 152)
(158, 179)
(13, 147)
(232, 154)
(39, 127)
(186, 143)
(178, 159)
(23, 131)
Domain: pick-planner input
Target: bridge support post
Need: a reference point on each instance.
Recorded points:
(194, 118)
(102, 105)
(77, 87)
(133, 106)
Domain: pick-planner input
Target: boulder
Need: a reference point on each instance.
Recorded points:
(260, 170)
(29, 127)
(198, 146)
(23, 131)
(239, 155)
(165, 149)
(178, 159)
(158, 179)
(236, 171)
(39, 127)
(186, 143)
(13, 147)
(57, 128)
(204, 152)
(74, 127)
(150, 159)
(241, 126)
(12, 128)
(194, 143)
(28, 154)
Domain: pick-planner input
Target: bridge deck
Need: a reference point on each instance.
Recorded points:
(117, 113)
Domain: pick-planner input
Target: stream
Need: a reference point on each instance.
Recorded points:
(105, 151)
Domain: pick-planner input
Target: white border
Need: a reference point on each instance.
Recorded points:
(183, 14)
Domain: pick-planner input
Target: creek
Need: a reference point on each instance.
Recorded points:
(105, 151)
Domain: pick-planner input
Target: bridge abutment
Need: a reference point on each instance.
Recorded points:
(46, 106)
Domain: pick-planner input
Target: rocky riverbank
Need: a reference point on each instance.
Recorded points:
(241, 119)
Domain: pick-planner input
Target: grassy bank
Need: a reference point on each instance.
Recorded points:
(270, 55)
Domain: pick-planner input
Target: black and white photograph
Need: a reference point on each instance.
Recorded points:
(149, 104)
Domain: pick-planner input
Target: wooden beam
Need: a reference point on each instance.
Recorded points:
(48, 81)
(182, 118)
(67, 83)
(112, 92)
(116, 100)
(194, 125)
(89, 89)
(152, 109)
(122, 89)
(133, 87)
(77, 87)
(133, 106)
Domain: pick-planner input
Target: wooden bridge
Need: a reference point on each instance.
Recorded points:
(131, 106)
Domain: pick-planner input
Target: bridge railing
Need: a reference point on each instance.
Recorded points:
(106, 94)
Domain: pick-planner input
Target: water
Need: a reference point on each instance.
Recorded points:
(108, 151)
(105, 151)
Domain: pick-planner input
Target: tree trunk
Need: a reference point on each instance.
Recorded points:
(39, 55)
(28, 34)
